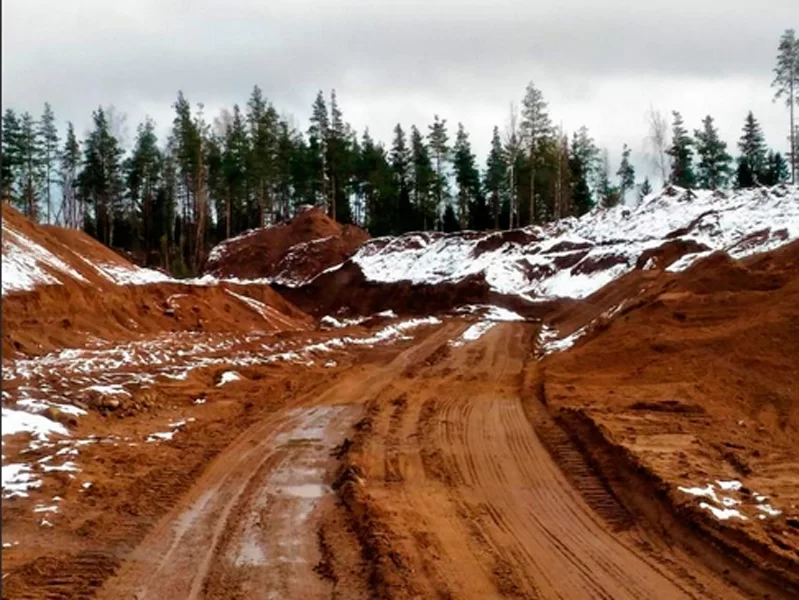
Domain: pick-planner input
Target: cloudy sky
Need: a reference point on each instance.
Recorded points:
(601, 64)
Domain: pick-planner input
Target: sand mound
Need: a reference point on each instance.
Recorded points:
(694, 375)
(572, 258)
(61, 288)
(289, 253)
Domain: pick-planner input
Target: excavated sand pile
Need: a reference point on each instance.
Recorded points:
(289, 253)
(692, 376)
(61, 288)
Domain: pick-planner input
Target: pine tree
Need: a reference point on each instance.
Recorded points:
(682, 171)
(439, 148)
(752, 163)
(48, 135)
(467, 178)
(645, 190)
(11, 156)
(70, 162)
(535, 128)
(713, 170)
(786, 81)
(626, 173)
(495, 180)
(338, 162)
(190, 133)
(423, 180)
(263, 124)
(318, 135)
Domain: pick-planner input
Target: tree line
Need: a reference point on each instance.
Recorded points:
(167, 202)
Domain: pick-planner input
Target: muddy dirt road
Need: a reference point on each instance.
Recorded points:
(431, 476)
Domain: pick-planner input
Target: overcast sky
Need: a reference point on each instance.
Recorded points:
(598, 63)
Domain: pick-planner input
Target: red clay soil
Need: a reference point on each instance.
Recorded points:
(692, 381)
(298, 249)
(64, 316)
(431, 467)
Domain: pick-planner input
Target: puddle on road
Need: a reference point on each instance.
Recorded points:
(251, 553)
(306, 490)
(276, 530)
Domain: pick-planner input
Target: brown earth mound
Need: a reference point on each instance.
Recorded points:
(346, 289)
(693, 381)
(293, 251)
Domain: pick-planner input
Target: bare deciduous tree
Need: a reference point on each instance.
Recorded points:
(657, 142)
(512, 141)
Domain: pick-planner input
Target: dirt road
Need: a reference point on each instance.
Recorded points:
(429, 476)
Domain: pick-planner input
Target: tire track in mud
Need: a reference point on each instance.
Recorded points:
(508, 489)
(279, 468)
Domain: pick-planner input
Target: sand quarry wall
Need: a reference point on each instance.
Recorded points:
(61, 288)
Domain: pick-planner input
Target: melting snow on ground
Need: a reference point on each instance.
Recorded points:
(490, 316)
(18, 479)
(165, 436)
(722, 506)
(227, 377)
(27, 264)
(598, 247)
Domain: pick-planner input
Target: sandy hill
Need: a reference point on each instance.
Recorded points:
(571, 258)
(61, 287)
(289, 253)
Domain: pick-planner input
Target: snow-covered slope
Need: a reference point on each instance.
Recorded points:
(576, 257)
(35, 256)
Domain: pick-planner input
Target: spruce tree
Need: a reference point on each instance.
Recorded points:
(626, 173)
(681, 153)
(100, 180)
(752, 163)
(467, 178)
(777, 170)
(401, 166)
(786, 82)
(608, 193)
(449, 221)
(70, 162)
(143, 177)
(31, 165)
(713, 170)
(439, 148)
(241, 213)
(585, 165)
(581, 192)
(496, 180)
(48, 136)
(645, 190)
(424, 177)
(11, 156)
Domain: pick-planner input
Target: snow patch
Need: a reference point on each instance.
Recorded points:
(227, 377)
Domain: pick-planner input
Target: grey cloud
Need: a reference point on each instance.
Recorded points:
(406, 58)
